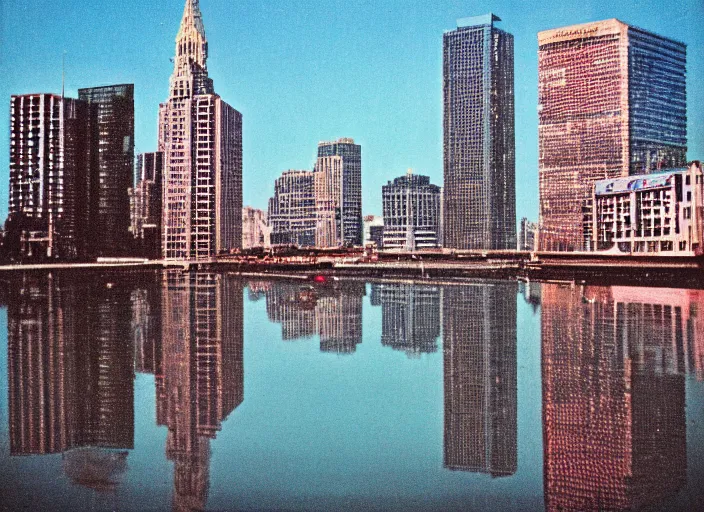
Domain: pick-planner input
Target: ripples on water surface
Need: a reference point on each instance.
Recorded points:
(192, 391)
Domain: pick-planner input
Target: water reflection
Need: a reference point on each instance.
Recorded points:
(203, 378)
(410, 316)
(70, 367)
(479, 345)
(333, 311)
(613, 362)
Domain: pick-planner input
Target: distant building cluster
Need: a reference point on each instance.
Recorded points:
(322, 207)
(611, 106)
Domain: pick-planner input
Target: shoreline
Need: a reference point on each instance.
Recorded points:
(678, 272)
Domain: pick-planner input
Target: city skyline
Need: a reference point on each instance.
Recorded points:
(398, 84)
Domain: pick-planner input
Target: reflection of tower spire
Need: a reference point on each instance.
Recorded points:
(203, 378)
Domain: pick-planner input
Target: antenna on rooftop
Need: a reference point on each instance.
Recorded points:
(63, 73)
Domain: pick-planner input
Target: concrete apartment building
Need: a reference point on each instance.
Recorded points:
(653, 213)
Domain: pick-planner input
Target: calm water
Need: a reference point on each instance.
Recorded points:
(159, 391)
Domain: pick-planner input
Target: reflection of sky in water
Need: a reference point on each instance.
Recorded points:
(272, 394)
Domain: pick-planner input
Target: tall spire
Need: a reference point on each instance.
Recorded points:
(191, 44)
(192, 19)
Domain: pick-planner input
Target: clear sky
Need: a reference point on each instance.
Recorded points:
(305, 71)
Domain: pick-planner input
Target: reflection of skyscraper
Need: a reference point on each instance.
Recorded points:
(410, 316)
(203, 379)
(613, 396)
(146, 327)
(333, 312)
(41, 371)
(479, 344)
(70, 365)
(339, 318)
(282, 306)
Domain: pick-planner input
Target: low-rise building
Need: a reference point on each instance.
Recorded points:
(411, 207)
(255, 231)
(650, 213)
(528, 235)
(371, 224)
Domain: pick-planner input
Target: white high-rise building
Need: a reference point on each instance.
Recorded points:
(201, 138)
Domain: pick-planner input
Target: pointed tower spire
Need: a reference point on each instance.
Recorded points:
(191, 43)
(192, 19)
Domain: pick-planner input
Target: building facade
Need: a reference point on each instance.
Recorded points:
(110, 167)
(373, 224)
(145, 205)
(655, 213)
(528, 235)
(255, 230)
(292, 217)
(46, 214)
(201, 138)
(612, 103)
(411, 206)
(339, 193)
(479, 136)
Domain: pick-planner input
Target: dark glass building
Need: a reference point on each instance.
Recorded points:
(349, 188)
(478, 136)
(110, 162)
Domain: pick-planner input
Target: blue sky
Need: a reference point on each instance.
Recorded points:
(301, 72)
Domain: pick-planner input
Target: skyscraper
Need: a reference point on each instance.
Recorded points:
(47, 176)
(478, 136)
(292, 209)
(201, 137)
(611, 102)
(411, 206)
(338, 192)
(110, 167)
(145, 205)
